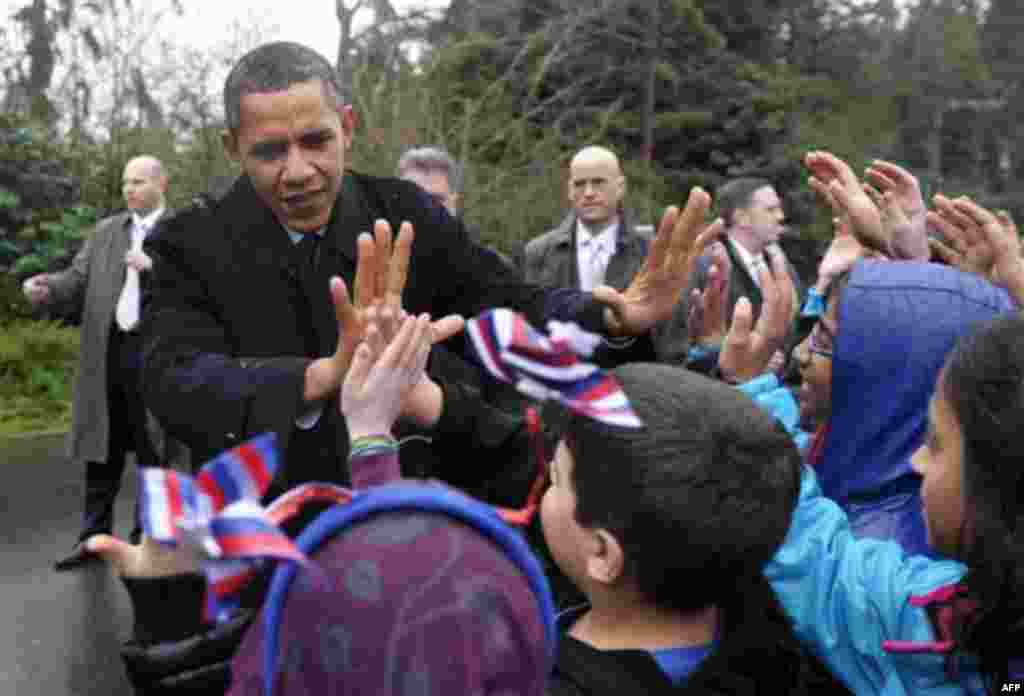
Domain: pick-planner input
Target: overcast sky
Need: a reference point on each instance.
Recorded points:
(311, 22)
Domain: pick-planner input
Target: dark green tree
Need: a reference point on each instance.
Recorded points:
(1004, 52)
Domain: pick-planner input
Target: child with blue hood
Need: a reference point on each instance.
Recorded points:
(888, 622)
(869, 365)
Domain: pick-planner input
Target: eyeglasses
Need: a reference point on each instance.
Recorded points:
(523, 516)
(820, 340)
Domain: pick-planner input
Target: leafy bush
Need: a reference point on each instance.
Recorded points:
(55, 240)
(37, 360)
(8, 199)
(26, 140)
(13, 304)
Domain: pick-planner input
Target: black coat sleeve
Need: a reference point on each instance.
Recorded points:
(172, 651)
(199, 392)
(475, 279)
(482, 441)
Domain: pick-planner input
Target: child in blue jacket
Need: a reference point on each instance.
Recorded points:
(890, 623)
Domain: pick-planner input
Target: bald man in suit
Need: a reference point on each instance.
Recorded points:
(106, 279)
(597, 243)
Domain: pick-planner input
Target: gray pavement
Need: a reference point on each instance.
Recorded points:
(59, 632)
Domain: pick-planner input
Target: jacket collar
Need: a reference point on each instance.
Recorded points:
(249, 215)
(150, 219)
(565, 234)
(757, 648)
(738, 262)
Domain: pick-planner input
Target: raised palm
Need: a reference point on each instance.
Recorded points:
(682, 237)
(748, 348)
(835, 180)
(842, 254)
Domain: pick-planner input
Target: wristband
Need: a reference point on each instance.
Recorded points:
(371, 445)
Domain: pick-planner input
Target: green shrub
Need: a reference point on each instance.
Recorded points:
(13, 304)
(37, 361)
(54, 239)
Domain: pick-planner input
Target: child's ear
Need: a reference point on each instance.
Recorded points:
(607, 561)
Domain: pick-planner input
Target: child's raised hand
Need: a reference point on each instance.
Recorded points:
(748, 348)
(903, 209)
(842, 254)
(981, 242)
(900, 185)
(836, 182)
(424, 402)
(708, 311)
(382, 375)
(963, 245)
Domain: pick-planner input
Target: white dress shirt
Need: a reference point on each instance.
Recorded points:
(127, 311)
(753, 263)
(594, 252)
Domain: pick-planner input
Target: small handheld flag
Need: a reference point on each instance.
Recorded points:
(549, 367)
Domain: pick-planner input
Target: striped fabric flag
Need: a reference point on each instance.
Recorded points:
(245, 542)
(218, 513)
(172, 500)
(549, 366)
(225, 581)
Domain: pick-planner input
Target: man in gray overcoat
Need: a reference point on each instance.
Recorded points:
(598, 242)
(105, 280)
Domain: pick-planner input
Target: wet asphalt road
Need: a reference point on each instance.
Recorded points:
(59, 632)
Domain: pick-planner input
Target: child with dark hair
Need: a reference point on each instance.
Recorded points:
(973, 488)
(868, 368)
(715, 479)
(869, 365)
(888, 622)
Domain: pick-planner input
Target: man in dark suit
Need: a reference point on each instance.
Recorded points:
(597, 243)
(105, 279)
(753, 214)
(248, 325)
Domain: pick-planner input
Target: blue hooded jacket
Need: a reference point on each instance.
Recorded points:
(897, 323)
